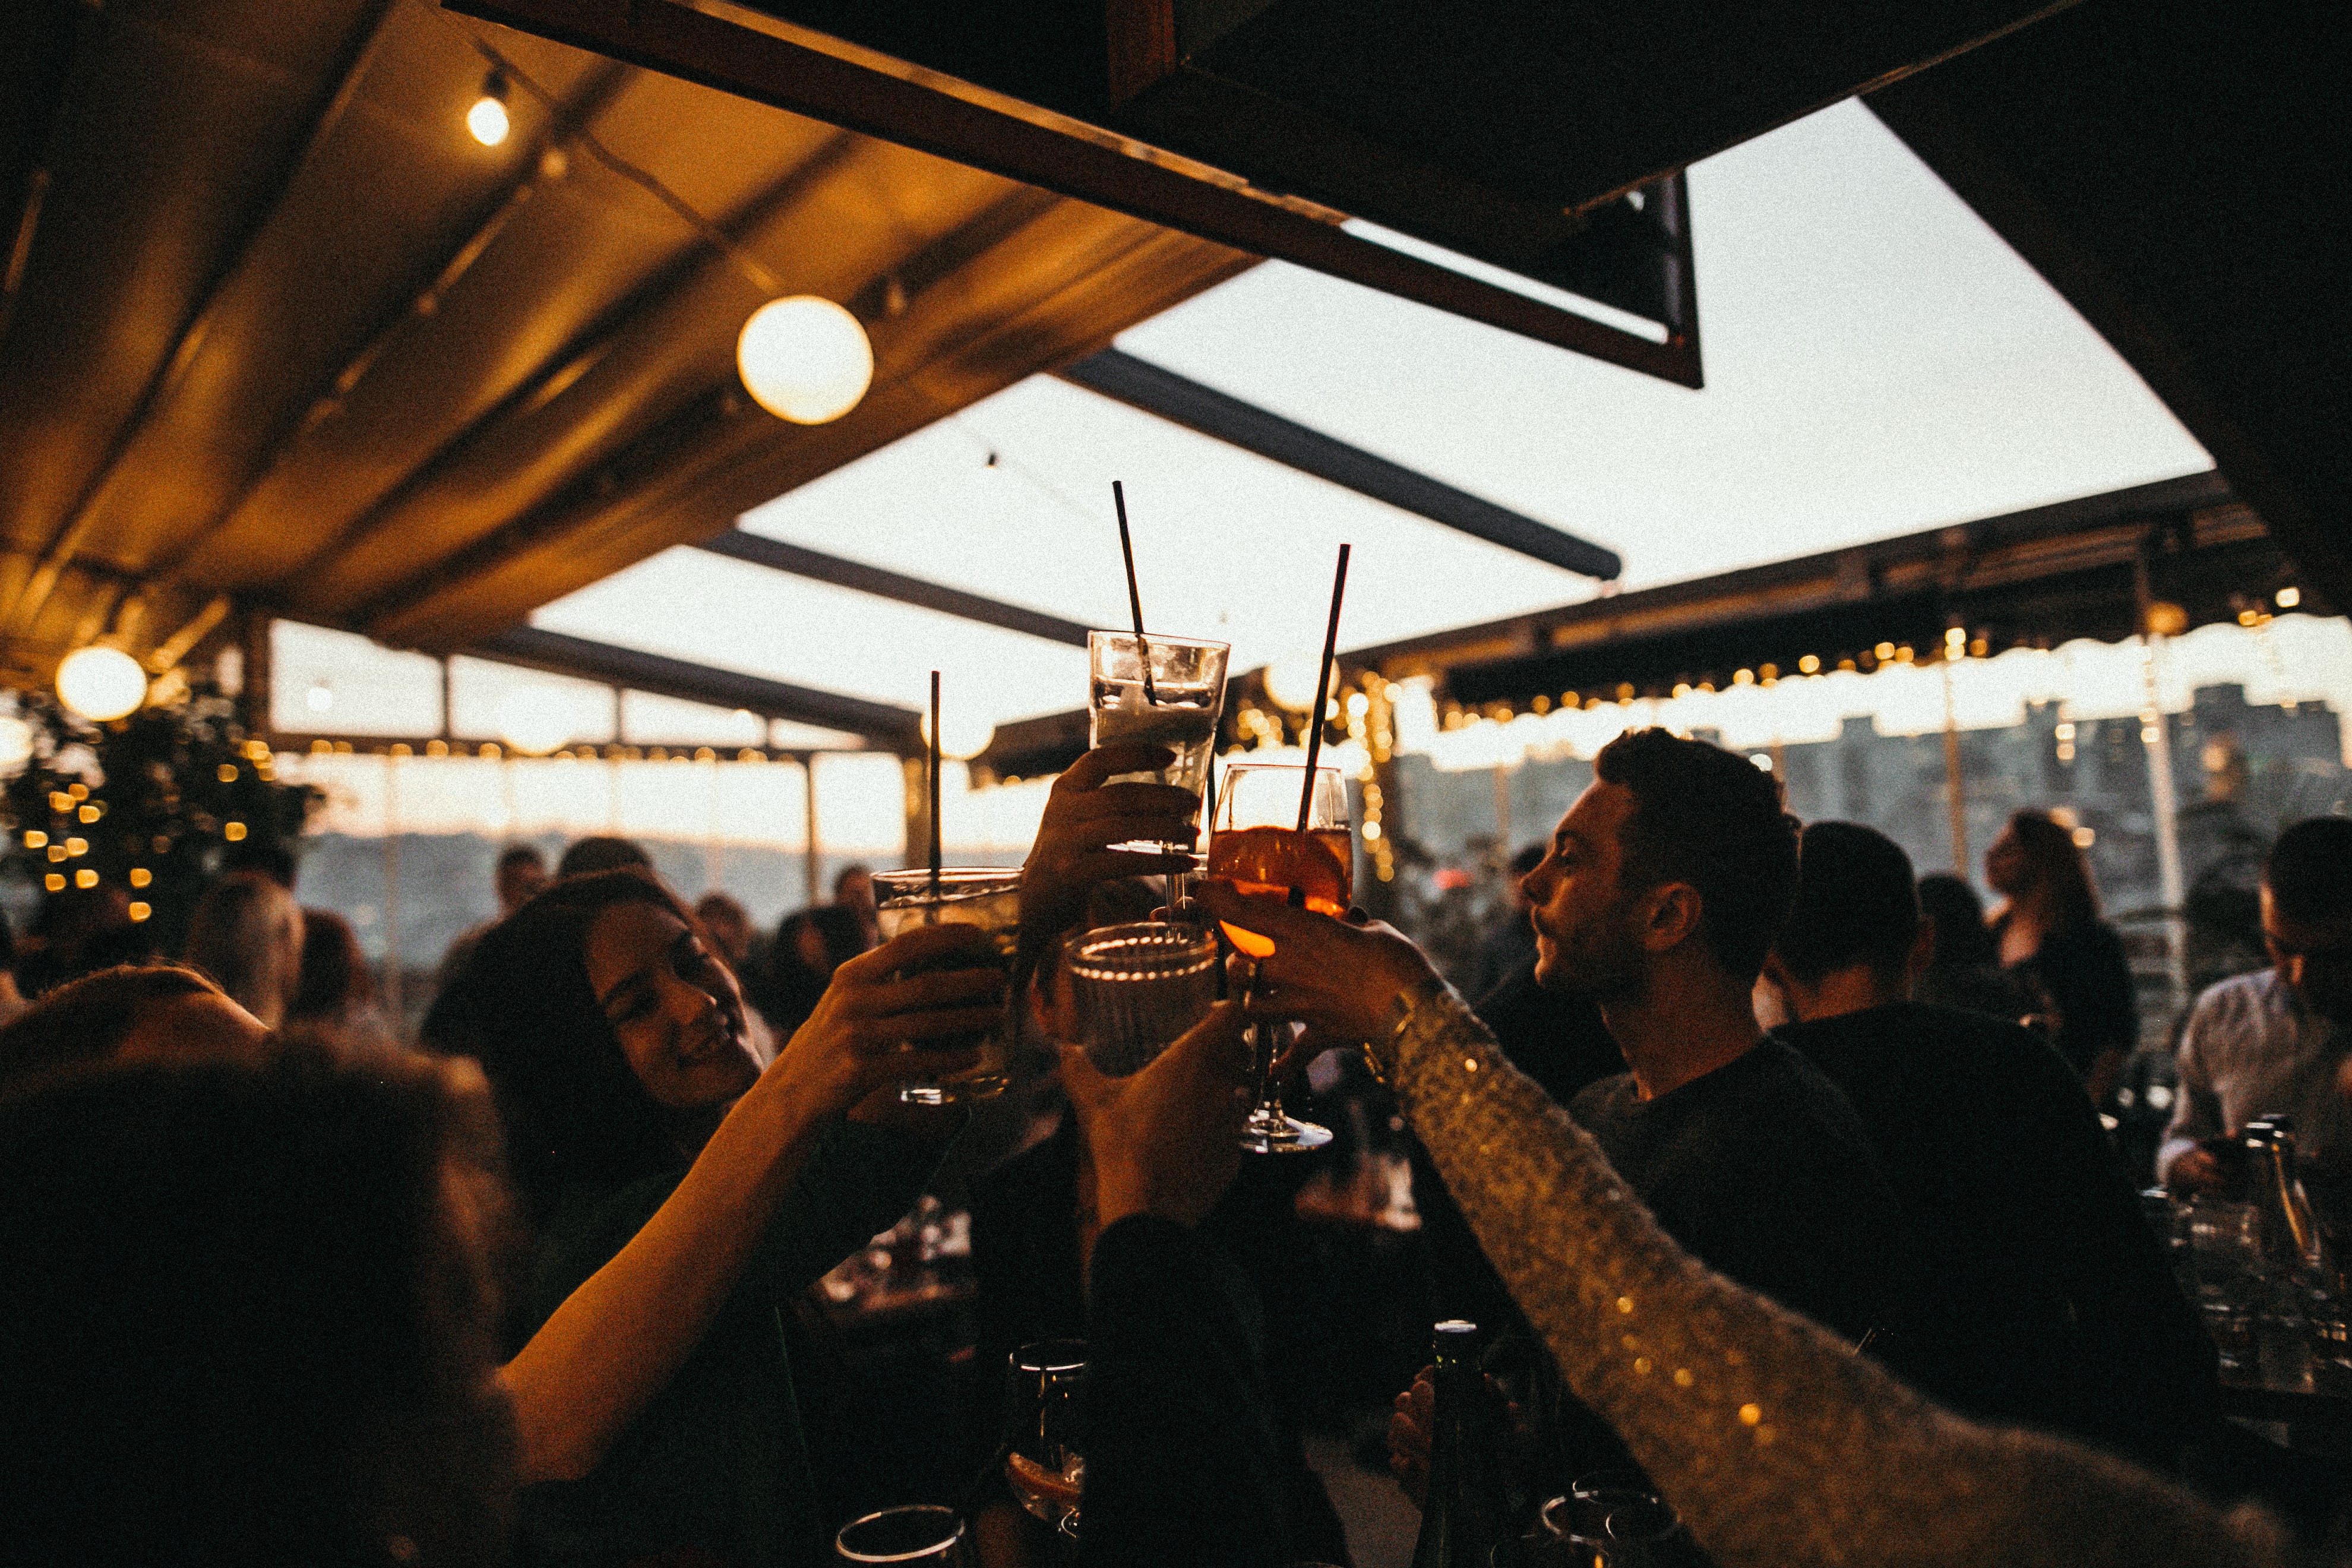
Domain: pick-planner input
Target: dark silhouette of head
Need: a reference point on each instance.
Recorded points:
(1855, 904)
(334, 975)
(151, 1010)
(246, 1316)
(1952, 906)
(603, 852)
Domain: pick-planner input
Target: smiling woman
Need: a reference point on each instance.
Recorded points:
(684, 1192)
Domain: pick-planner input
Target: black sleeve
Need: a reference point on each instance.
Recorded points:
(2088, 978)
(1182, 1455)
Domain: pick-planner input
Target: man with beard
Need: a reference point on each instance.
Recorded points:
(1661, 893)
(1664, 887)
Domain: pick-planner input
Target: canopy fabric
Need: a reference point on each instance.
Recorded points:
(1879, 362)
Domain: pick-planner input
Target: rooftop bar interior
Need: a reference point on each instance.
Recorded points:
(642, 639)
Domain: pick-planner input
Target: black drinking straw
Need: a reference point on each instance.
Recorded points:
(1322, 686)
(1134, 596)
(934, 782)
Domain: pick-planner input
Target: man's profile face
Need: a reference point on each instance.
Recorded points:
(1584, 921)
(2313, 957)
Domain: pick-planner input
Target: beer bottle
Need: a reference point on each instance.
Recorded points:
(1464, 1516)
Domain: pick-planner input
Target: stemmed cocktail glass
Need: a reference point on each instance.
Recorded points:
(1257, 845)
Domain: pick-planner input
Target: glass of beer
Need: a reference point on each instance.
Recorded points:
(1179, 708)
(1256, 844)
(987, 896)
(1043, 1444)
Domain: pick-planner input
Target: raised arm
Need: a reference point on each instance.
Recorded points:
(617, 1339)
(1779, 1446)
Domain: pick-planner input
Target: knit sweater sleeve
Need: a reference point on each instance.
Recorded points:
(1778, 1446)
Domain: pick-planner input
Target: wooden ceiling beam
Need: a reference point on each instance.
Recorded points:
(367, 37)
(807, 73)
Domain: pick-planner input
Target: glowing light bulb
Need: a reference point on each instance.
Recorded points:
(1291, 681)
(101, 683)
(961, 736)
(532, 724)
(488, 120)
(805, 359)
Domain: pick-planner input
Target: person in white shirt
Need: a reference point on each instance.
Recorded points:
(2275, 1041)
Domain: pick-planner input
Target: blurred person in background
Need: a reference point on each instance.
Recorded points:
(1510, 947)
(2276, 1040)
(2049, 935)
(521, 872)
(1965, 970)
(852, 891)
(809, 946)
(133, 1013)
(247, 1310)
(247, 934)
(12, 1001)
(731, 929)
(602, 852)
(2058, 1310)
(336, 993)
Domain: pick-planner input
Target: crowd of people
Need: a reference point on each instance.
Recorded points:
(1782, 1169)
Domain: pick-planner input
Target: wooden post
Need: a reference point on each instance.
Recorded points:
(815, 860)
(1956, 793)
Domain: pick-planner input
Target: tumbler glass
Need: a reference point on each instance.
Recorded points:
(986, 897)
(1138, 987)
(924, 1533)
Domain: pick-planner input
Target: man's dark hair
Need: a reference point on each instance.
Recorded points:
(527, 855)
(1855, 904)
(2309, 871)
(1710, 819)
(602, 853)
(87, 1020)
(1952, 906)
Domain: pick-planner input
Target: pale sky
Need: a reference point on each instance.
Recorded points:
(1877, 362)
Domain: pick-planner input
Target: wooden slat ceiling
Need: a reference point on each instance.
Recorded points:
(279, 329)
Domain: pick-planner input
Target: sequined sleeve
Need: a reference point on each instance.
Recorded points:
(1779, 1445)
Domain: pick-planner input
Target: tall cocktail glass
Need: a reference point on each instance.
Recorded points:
(986, 897)
(1185, 698)
(1257, 846)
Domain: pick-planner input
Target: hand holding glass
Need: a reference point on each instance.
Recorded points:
(985, 897)
(1259, 848)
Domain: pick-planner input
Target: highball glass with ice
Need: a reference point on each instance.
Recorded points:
(1186, 697)
(986, 897)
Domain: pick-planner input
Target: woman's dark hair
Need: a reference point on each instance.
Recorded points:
(575, 1116)
(334, 974)
(2053, 861)
(87, 1020)
(1962, 938)
(245, 1316)
(1710, 819)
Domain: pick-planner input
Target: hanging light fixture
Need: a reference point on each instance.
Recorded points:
(532, 723)
(101, 682)
(963, 736)
(488, 119)
(805, 359)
